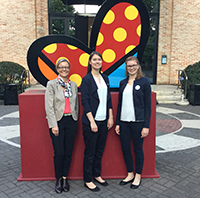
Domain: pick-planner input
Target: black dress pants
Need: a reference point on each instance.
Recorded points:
(128, 131)
(63, 145)
(94, 147)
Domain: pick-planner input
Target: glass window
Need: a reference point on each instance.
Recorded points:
(61, 18)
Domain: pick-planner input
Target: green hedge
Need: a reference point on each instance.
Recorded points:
(10, 72)
(193, 73)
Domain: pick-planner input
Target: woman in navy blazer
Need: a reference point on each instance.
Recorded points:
(97, 119)
(133, 118)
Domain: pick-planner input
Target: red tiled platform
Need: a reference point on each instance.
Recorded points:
(168, 125)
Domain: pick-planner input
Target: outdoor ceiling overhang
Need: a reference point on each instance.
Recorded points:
(88, 2)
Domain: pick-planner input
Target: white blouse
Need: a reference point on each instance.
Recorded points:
(102, 93)
(127, 111)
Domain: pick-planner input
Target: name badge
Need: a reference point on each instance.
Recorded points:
(137, 87)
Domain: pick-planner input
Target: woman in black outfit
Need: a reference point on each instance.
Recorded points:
(133, 118)
(97, 119)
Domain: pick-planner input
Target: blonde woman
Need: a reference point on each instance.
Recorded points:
(133, 118)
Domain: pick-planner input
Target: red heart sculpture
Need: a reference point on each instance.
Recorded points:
(120, 29)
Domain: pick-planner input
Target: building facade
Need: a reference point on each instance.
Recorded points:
(22, 22)
(179, 34)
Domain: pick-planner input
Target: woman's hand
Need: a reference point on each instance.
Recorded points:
(145, 132)
(110, 119)
(117, 130)
(110, 123)
(55, 130)
(93, 126)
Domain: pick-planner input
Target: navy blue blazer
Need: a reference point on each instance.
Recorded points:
(90, 98)
(141, 100)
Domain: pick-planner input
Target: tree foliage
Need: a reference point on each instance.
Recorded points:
(193, 74)
(57, 6)
(10, 72)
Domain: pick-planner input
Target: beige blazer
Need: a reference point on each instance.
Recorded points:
(55, 102)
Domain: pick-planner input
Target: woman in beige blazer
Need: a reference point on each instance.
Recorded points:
(61, 105)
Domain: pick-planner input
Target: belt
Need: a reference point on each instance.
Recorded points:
(67, 114)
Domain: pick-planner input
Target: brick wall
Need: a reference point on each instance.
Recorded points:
(21, 23)
(179, 37)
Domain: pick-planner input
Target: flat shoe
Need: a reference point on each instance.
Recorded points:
(102, 183)
(65, 185)
(122, 183)
(58, 187)
(132, 186)
(96, 189)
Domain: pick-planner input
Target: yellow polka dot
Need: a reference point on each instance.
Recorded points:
(76, 78)
(83, 59)
(120, 34)
(108, 55)
(50, 48)
(62, 58)
(72, 47)
(100, 39)
(109, 18)
(131, 12)
(139, 30)
(129, 48)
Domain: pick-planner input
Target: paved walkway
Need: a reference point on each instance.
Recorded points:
(177, 160)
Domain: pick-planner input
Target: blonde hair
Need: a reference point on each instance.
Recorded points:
(139, 71)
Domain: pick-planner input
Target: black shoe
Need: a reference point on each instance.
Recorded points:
(58, 187)
(96, 189)
(65, 185)
(122, 183)
(102, 183)
(132, 186)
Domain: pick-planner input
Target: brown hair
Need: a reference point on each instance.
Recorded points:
(89, 68)
(139, 71)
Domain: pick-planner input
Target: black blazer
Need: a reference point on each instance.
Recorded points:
(141, 100)
(90, 98)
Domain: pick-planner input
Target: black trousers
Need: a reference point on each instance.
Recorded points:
(94, 147)
(63, 145)
(128, 131)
